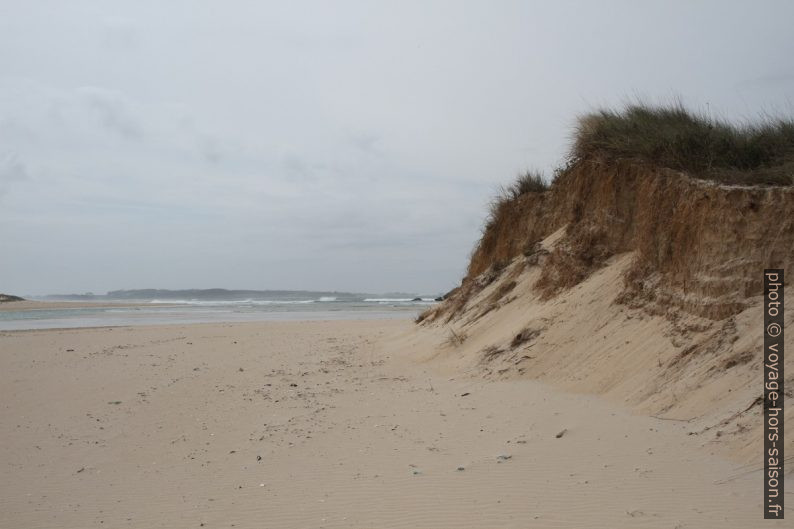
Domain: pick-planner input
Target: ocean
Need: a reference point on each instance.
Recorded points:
(169, 309)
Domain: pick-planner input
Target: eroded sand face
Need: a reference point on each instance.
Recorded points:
(328, 424)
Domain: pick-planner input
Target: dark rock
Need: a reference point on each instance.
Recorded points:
(561, 433)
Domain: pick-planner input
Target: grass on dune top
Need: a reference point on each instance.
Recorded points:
(673, 137)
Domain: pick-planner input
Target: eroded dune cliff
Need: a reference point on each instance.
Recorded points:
(633, 280)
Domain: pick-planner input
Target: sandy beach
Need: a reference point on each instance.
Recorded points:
(417, 265)
(329, 424)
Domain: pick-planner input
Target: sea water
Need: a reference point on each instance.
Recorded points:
(179, 311)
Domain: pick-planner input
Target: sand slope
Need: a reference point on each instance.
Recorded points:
(703, 373)
(355, 427)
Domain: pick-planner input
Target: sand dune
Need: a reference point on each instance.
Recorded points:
(705, 374)
(633, 281)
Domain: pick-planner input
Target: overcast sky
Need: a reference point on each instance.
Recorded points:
(323, 145)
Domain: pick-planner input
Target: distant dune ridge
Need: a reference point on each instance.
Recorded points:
(638, 272)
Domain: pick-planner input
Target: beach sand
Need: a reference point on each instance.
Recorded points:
(329, 424)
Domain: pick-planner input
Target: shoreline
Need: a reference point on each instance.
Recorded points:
(29, 305)
(300, 318)
(71, 315)
(334, 424)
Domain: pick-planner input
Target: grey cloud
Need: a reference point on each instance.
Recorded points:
(768, 79)
(210, 149)
(367, 143)
(113, 111)
(12, 170)
(120, 33)
(298, 169)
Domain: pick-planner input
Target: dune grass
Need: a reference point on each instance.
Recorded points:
(673, 137)
(530, 181)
